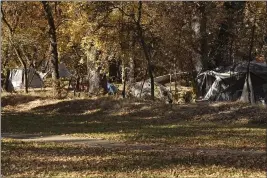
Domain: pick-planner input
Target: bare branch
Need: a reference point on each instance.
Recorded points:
(5, 21)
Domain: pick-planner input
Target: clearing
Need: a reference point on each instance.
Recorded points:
(111, 137)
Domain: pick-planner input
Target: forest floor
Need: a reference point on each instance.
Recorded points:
(112, 137)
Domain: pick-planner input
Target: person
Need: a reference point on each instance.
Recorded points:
(112, 90)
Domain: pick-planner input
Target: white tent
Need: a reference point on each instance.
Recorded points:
(16, 79)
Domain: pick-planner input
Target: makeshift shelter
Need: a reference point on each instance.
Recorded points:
(17, 80)
(143, 89)
(244, 81)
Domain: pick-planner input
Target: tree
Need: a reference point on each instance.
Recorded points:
(53, 44)
(12, 28)
(220, 52)
(145, 48)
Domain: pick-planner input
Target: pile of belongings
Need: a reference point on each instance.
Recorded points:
(143, 90)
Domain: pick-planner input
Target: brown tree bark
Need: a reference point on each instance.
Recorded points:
(93, 71)
(53, 44)
(203, 36)
(145, 49)
(24, 64)
(252, 38)
(220, 50)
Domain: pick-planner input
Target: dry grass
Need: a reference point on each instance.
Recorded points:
(196, 140)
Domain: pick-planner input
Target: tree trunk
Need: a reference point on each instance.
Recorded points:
(93, 71)
(123, 77)
(53, 45)
(131, 58)
(131, 70)
(220, 49)
(77, 86)
(252, 38)
(265, 37)
(24, 64)
(144, 46)
(203, 36)
(7, 80)
(175, 82)
(6, 58)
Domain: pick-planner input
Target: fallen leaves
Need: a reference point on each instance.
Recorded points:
(182, 141)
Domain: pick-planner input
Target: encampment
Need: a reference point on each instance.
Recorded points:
(244, 81)
(17, 81)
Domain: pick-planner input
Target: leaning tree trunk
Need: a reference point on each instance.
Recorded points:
(144, 46)
(53, 45)
(24, 64)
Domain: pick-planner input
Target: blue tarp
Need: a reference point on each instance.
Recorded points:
(111, 89)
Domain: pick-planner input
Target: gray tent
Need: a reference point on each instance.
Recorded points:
(16, 79)
(62, 70)
(244, 81)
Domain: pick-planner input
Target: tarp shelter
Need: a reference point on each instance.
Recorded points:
(244, 81)
(17, 81)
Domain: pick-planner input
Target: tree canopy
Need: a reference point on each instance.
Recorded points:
(153, 37)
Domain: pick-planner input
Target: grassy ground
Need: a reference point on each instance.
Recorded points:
(196, 140)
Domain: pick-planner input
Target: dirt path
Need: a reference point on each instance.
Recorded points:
(98, 142)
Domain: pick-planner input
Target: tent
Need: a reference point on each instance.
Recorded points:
(243, 81)
(62, 70)
(16, 79)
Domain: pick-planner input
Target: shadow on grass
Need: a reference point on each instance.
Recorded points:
(133, 121)
(60, 158)
(140, 121)
(16, 99)
(106, 115)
